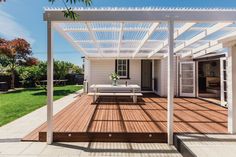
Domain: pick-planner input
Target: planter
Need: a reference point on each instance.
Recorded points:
(114, 82)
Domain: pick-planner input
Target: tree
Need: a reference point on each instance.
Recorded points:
(69, 13)
(18, 51)
(76, 69)
(62, 68)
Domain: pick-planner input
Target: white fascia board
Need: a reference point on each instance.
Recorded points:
(177, 33)
(202, 35)
(146, 37)
(70, 40)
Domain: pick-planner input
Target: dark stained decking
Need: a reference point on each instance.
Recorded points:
(118, 119)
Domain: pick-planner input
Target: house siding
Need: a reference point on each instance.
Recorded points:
(101, 69)
(161, 69)
(98, 71)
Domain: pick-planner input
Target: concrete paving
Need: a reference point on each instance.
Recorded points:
(83, 149)
(15, 130)
(210, 145)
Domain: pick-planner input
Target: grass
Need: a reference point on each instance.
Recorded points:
(21, 102)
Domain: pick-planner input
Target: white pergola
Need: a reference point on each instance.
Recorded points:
(141, 33)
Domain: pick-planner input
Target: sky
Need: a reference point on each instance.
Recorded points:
(24, 19)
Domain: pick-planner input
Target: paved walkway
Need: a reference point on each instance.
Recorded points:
(210, 145)
(19, 128)
(83, 149)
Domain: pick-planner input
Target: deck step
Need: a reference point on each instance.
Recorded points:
(105, 137)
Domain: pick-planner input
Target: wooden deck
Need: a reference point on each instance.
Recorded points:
(118, 119)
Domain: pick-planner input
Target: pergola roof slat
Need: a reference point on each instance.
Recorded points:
(110, 32)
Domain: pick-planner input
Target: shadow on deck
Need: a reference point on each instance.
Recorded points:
(117, 119)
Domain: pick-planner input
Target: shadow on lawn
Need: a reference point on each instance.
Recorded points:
(55, 93)
(23, 90)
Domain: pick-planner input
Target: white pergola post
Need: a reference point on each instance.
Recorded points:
(170, 96)
(49, 84)
(231, 84)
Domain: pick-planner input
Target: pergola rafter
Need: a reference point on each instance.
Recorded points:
(206, 46)
(93, 37)
(120, 38)
(176, 34)
(208, 50)
(146, 37)
(202, 35)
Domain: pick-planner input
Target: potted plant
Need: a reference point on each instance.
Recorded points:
(114, 77)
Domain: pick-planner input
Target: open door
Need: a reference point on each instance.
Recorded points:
(223, 81)
(187, 79)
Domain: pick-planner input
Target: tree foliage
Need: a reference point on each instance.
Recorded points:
(69, 13)
(16, 52)
(32, 75)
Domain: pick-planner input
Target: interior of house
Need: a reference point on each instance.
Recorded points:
(209, 79)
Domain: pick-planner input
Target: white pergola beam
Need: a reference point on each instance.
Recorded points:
(170, 80)
(132, 29)
(144, 14)
(202, 35)
(146, 37)
(176, 34)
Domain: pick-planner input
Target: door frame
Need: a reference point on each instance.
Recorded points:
(151, 75)
(197, 71)
(194, 80)
(223, 100)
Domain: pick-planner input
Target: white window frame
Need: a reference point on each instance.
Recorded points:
(123, 64)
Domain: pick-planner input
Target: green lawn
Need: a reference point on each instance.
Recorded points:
(20, 102)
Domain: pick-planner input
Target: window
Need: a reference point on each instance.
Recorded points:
(122, 68)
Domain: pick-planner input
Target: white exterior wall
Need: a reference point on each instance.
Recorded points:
(161, 75)
(87, 70)
(101, 69)
(98, 71)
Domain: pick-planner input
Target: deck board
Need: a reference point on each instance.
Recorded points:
(123, 119)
